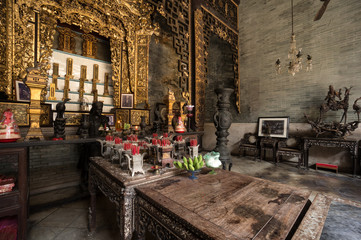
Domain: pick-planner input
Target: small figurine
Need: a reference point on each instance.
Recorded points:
(59, 123)
(180, 126)
(9, 130)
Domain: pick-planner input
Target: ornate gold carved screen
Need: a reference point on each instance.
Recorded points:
(126, 23)
(207, 24)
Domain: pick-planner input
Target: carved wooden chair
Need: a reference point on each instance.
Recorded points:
(250, 143)
(291, 147)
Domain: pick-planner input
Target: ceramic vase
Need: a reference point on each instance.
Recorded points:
(222, 120)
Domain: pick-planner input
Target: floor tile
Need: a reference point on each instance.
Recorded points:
(43, 233)
(62, 217)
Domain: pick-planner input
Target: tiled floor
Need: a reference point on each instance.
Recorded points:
(69, 221)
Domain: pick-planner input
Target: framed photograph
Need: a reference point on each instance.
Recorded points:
(127, 100)
(22, 92)
(111, 118)
(276, 127)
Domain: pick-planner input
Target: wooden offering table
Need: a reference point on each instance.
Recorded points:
(227, 205)
(117, 185)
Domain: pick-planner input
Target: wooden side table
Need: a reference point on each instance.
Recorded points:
(269, 144)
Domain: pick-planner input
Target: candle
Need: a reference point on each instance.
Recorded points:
(117, 140)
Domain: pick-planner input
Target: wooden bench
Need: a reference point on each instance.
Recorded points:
(328, 166)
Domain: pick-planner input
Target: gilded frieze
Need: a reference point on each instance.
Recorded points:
(2, 41)
(24, 31)
(120, 21)
(141, 91)
(136, 114)
(122, 116)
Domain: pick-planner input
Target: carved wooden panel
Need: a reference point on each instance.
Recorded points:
(141, 91)
(226, 8)
(178, 18)
(207, 24)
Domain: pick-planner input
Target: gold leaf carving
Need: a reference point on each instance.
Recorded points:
(120, 21)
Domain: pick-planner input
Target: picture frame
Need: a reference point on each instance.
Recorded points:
(275, 127)
(111, 118)
(72, 118)
(19, 110)
(22, 92)
(126, 100)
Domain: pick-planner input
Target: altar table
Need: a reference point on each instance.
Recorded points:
(227, 205)
(118, 186)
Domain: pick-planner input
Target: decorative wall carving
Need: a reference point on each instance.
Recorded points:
(178, 18)
(66, 40)
(89, 45)
(141, 88)
(120, 21)
(227, 8)
(207, 24)
(3, 28)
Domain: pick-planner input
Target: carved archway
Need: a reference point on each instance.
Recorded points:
(207, 24)
(126, 23)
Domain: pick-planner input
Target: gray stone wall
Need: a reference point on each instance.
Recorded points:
(264, 35)
(220, 74)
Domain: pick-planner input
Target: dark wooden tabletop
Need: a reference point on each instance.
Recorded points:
(229, 205)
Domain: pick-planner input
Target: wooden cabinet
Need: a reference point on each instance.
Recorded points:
(15, 202)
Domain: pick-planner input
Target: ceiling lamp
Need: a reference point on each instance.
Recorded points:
(294, 55)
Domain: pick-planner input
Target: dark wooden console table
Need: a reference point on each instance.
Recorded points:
(227, 205)
(351, 145)
(118, 186)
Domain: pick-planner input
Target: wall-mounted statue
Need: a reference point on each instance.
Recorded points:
(336, 129)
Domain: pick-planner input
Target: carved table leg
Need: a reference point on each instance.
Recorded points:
(92, 208)
(125, 214)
